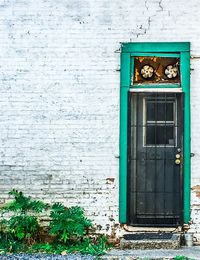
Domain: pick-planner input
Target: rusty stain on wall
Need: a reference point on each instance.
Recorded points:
(110, 180)
(196, 189)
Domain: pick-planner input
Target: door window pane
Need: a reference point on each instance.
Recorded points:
(160, 111)
(160, 121)
(160, 135)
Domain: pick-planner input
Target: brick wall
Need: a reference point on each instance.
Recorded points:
(59, 95)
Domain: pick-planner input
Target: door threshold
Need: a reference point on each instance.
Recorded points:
(152, 229)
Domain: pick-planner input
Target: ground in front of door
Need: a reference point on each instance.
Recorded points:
(190, 252)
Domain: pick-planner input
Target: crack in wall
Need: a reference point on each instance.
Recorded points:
(160, 5)
(145, 3)
(145, 30)
(149, 20)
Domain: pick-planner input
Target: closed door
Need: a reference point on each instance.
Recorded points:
(155, 159)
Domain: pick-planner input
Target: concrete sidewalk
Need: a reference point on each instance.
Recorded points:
(117, 254)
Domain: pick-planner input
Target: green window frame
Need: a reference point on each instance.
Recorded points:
(172, 49)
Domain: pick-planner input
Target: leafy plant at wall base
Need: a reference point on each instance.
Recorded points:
(9, 244)
(23, 204)
(68, 231)
(21, 224)
(87, 246)
(43, 248)
(68, 223)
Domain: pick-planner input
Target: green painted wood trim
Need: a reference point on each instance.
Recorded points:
(125, 80)
(149, 54)
(185, 72)
(123, 154)
(156, 47)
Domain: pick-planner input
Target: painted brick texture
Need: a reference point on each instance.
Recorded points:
(59, 95)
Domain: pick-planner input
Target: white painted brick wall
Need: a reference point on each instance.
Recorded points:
(59, 94)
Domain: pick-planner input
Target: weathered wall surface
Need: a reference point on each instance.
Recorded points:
(59, 95)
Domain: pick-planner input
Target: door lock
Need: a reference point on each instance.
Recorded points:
(177, 161)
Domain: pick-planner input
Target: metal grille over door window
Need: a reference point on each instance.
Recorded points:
(160, 121)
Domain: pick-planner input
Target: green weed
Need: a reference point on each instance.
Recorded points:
(68, 228)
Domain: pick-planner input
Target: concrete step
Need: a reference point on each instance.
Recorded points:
(151, 241)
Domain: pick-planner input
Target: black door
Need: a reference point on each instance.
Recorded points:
(155, 161)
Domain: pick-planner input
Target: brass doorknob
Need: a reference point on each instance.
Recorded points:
(177, 161)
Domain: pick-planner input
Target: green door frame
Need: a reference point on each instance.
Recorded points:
(168, 49)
